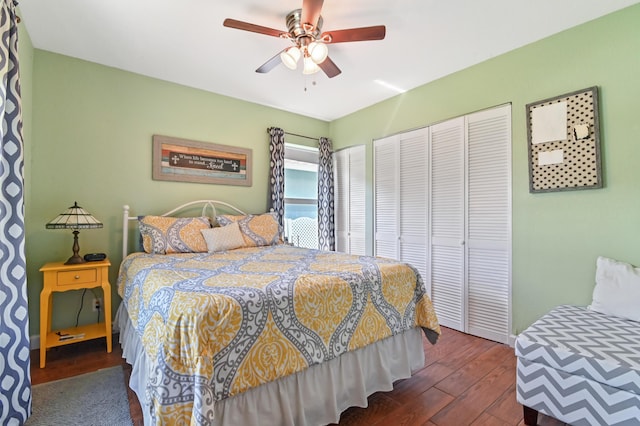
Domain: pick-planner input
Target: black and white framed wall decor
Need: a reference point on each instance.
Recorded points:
(563, 135)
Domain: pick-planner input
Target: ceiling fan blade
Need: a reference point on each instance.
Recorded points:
(240, 25)
(270, 64)
(357, 34)
(311, 11)
(329, 68)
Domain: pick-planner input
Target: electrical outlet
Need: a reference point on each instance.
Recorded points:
(97, 304)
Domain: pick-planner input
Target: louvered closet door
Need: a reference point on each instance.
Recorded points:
(341, 191)
(447, 222)
(414, 214)
(386, 184)
(489, 224)
(357, 188)
(350, 185)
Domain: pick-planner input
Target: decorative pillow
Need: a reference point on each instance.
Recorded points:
(164, 235)
(617, 290)
(257, 230)
(223, 238)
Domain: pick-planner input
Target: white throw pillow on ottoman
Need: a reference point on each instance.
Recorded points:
(617, 290)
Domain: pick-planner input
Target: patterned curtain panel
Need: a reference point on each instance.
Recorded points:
(15, 385)
(326, 225)
(276, 173)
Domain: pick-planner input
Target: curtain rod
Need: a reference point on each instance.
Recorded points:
(301, 136)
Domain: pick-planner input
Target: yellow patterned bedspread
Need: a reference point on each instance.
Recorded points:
(218, 324)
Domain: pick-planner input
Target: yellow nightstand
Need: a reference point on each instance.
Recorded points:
(61, 277)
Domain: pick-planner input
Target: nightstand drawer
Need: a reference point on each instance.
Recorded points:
(80, 276)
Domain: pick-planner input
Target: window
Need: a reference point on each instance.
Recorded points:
(301, 195)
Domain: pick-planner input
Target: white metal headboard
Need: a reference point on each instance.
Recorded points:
(206, 204)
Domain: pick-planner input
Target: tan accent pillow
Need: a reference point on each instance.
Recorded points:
(223, 238)
(165, 235)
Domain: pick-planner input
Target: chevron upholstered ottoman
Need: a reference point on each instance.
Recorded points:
(581, 367)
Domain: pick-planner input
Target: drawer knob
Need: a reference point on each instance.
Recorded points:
(77, 277)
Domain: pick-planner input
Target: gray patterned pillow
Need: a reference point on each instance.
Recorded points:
(165, 235)
(257, 230)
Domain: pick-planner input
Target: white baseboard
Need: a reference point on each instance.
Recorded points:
(34, 342)
(512, 340)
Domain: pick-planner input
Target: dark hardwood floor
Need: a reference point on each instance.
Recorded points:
(466, 380)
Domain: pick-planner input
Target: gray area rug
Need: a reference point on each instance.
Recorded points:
(92, 399)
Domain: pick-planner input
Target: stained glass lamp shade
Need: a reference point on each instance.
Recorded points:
(75, 218)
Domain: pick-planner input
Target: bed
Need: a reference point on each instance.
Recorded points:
(226, 325)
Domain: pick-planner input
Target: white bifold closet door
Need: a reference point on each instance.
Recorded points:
(349, 168)
(471, 223)
(386, 165)
(488, 230)
(401, 184)
(443, 204)
(447, 222)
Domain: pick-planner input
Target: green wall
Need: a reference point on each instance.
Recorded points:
(92, 143)
(88, 132)
(556, 236)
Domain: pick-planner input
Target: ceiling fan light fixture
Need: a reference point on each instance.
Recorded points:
(304, 30)
(310, 67)
(318, 51)
(290, 57)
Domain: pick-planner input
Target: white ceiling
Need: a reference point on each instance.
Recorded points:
(183, 41)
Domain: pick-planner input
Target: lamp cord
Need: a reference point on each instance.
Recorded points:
(81, 304)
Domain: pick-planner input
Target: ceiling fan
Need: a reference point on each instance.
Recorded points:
(304, 30)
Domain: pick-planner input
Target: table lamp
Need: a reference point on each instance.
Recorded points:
(74, 218)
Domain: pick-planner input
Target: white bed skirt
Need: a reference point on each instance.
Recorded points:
(313, 397)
